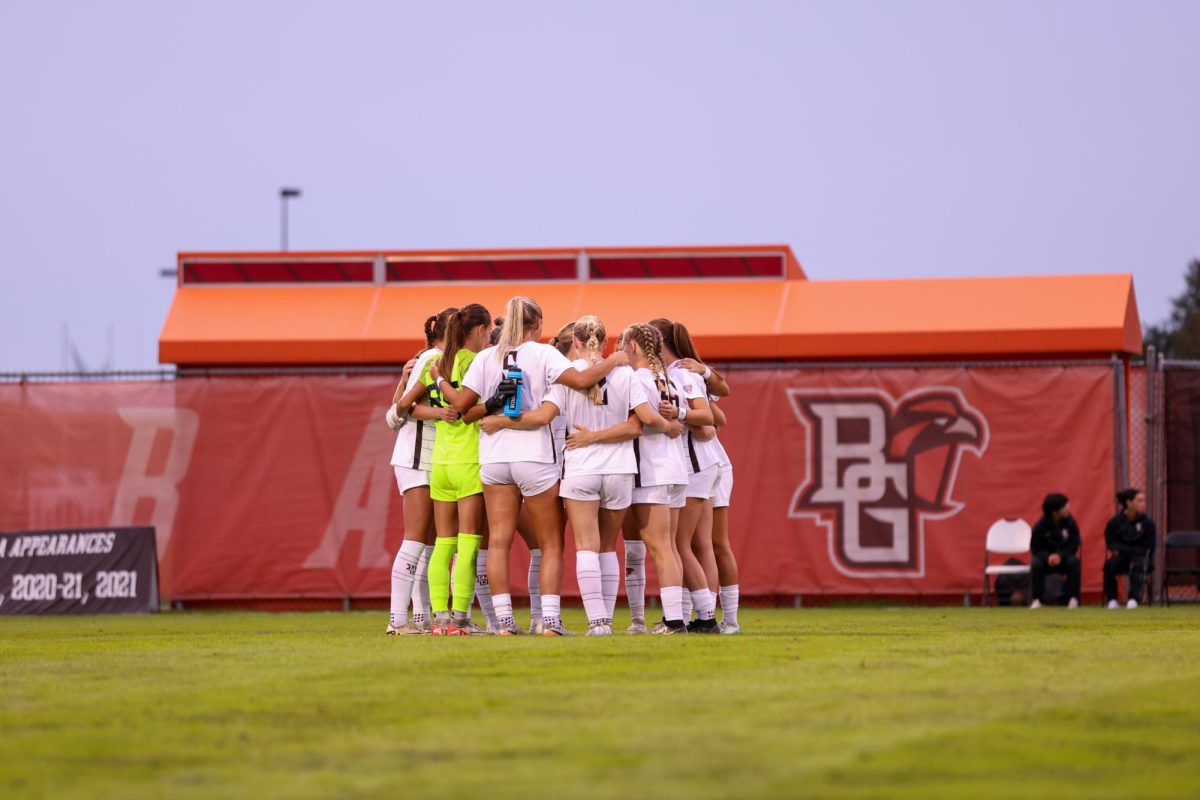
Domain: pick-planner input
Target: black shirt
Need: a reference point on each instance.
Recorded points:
(1130, 536)
(1060, 537)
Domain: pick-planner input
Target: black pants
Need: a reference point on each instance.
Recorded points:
(1132, 564)
(1068, 566)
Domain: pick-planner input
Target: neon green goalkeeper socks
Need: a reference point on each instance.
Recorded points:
(444, 548)
(464, 570)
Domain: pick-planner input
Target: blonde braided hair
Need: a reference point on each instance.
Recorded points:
(590, 331)
(650, 340)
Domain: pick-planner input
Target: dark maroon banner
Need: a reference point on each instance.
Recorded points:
(97, 571)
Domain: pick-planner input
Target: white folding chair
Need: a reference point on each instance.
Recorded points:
(1005, 537)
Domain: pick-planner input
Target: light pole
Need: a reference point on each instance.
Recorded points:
(285, 194)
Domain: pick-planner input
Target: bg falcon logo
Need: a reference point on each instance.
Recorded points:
(878, 468)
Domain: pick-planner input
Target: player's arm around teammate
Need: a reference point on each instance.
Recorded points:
(702, 458)
(411, 461)
(454, 481)
(661, 476)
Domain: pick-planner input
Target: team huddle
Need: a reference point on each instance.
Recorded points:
(500, 434)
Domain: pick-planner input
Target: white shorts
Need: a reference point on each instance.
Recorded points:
(703, 484)
(530, 477)
(614, 492)
(410, 478)
(672, 495)
(724, 487)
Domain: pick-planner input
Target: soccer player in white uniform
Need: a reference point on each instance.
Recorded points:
(519, 466)
(715, 518)
(717, 521)
(703, 458)
(661, 480)
(410, 460)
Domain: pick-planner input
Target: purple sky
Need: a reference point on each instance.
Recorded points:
(880, 139)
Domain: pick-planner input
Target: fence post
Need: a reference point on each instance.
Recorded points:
(1120, 441)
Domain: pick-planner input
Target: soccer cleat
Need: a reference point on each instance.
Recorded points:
(599, 630)
(703, 626)
(1132, 604)
(409, 628)
(555, 628)
(424, 624)
(638, 627)
(455, 630)
(665, 628)
(1113, 604)
(509, 629)
(1036, 604)
(728, 628)
(535, 628)
(1073, 603)
(473, 629)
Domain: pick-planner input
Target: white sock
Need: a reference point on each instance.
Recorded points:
(503, 606)
(610, 579)
(420, 597)
(635, 579)
(729, 603)
(483, 589)
(535, 585)
(686, 605)
(551, 609)
(672, 600)
(702, 599)
(404, 575)
(587, 574)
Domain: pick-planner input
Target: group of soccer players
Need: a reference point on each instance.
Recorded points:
(499, 434)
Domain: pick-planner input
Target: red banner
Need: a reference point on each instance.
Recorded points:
(847, 482)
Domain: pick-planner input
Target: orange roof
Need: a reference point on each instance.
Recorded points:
(787, 317)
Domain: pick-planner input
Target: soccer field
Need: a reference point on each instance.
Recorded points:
(862, 702)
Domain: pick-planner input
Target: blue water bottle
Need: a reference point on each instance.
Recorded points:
(512, 406)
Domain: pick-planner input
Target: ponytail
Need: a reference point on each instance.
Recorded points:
(435, 326)
(666, 329)
(563, 341)
(683, 345)
(590, 332)
(520, 316)
(469, 316)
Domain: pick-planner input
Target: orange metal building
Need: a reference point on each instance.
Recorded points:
(740, 303)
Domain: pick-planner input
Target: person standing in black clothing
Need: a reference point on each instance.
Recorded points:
(1130, 537)
(1055, 546)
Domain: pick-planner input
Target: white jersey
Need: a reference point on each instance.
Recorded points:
(414, 442)
(619, 394)
(540, 366)
(699, 455)
(660, 461)
(724, 462)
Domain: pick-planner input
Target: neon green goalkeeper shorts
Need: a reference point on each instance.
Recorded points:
(451, 482)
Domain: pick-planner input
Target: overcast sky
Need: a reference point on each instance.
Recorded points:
(878, 139)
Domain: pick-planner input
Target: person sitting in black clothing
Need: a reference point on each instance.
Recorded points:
(1130, 537)
(1055, 545)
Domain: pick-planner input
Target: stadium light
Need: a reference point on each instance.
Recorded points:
(285, 194)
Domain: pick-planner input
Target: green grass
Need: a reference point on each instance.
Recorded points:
(826, 703)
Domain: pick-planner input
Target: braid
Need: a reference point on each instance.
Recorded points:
(651, 343)
(590, 331)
